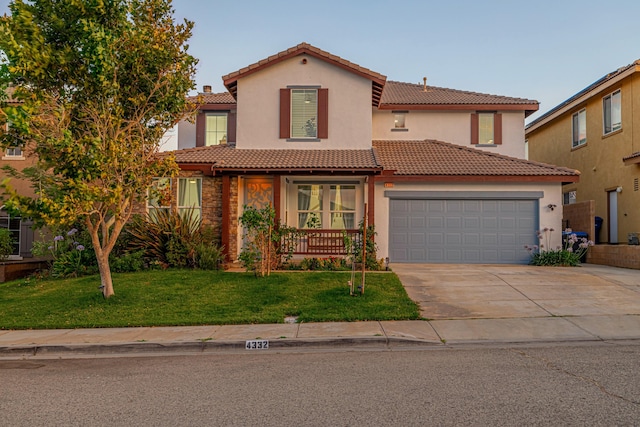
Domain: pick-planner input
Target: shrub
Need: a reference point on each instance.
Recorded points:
(565, 255)
(207, 256)
(71, 252)
(353, 246)
(6, 244)
(127, 262)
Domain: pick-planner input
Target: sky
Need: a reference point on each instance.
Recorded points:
(542, 50)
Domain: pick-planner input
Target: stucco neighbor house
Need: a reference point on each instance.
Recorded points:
(441, 172)
(597, 131)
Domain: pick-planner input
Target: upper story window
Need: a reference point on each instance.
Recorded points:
(399, 121)
(612, 112)
(579, 128)
(216, 128)
(486, 128)
(569, 197)
(304, 113)
(11, 153)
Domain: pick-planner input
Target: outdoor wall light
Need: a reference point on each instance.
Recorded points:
(552, 206)
(619, 190)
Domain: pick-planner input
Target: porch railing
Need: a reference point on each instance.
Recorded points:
(318, 242)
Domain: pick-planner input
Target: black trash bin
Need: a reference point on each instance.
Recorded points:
(576, 246)
(599, 221)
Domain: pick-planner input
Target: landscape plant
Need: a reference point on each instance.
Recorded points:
(6, 244)
(99, 84)
(569, 254)
(353, 244)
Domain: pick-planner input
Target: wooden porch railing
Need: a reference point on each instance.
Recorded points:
(318, 242)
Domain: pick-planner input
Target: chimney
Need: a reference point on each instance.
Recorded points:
(424, 87)
(206, 89)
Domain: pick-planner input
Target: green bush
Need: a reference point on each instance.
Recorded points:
(6, 244)
(207, 256)
(127, 262)
(565, 255)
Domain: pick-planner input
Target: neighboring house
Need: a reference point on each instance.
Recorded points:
(21, 228)
(597, 131)
(441, 172)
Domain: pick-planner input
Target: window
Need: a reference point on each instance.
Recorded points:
(13, 224)
(190, 196)
(338, 212)
(579, 126)
(216, 128)
(304, 113)
(159, 196)
(612, 112)
(486, 128)
(569, 197)
(15, 152)
(310, 206)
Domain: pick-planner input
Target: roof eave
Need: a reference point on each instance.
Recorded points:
(480, 178)
(527, 108)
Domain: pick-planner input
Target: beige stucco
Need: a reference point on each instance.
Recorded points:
(600, 159)
(349, 105)
(548, 218)
(451, 126)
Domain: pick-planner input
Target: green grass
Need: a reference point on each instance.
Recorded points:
(191, 297)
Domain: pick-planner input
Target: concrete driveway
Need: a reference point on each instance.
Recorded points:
(446, 291)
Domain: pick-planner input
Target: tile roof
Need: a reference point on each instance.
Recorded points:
(212, 98)
(430, 157)
(398, 94)
(229, 157)
(230, 80)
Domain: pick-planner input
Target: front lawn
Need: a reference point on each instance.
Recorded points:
(194, 297)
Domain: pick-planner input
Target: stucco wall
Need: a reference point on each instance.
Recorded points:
(453, 127)
(548, 218)
(259, 105)
(600, 159)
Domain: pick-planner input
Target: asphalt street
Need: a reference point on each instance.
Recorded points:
(561, 384)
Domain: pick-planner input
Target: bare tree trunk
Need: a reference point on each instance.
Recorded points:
(105, 274)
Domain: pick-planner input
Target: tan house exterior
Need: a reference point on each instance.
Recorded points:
(441, 172)
(597, 131)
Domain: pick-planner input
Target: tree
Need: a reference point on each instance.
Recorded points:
(101, 81)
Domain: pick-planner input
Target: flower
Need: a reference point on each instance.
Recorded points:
(72, 232)
(80, 248)
(58, 238)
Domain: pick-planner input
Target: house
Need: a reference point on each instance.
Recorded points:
(440, 172)
(20, 228)
(597, 132)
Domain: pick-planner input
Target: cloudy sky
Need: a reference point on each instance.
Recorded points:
(544, 50)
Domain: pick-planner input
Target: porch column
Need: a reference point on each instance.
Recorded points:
(226, 216)
(371, 198)
(276, 195)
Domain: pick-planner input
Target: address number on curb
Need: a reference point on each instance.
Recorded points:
(256, 345)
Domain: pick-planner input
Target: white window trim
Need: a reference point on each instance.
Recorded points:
(182, 208)
(579, 143)
(292, 196)
(226, 132)
(292, 124)
(604, 98)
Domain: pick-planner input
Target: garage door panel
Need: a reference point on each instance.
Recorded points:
(456, 231)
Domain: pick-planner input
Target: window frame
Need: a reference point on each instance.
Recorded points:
(475, 128)
(576, 141)
(327, 207)
(151, 208)
(614, 127)
(16, 233)
(182, 208)
(322, 113)
(207, 132)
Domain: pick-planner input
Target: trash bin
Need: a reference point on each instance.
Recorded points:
(599, 221)
(576, 246)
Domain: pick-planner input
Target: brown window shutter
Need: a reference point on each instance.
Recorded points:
(323, 113)
(231, 126)
(497, 128)
(475, 131)
(201, 124)
(285, 113)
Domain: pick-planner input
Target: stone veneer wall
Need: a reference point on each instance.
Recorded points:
(580, 217)
(627, 256)
(211, 205)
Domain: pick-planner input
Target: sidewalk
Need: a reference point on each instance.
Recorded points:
(384, 334)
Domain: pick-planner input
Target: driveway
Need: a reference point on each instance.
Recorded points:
(448, 291)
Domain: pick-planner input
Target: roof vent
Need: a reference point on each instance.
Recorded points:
(424, 87)
(206, 89)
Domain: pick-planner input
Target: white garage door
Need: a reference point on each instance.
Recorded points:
(462, 231)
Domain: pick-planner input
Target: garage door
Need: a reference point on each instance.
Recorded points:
(462, 231)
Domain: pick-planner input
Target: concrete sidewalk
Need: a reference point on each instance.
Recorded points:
(474, 304)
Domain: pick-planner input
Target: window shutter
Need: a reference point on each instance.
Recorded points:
(285, 113)
(200, 128)
(475, 135)
(497, 128)
(323, 113)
